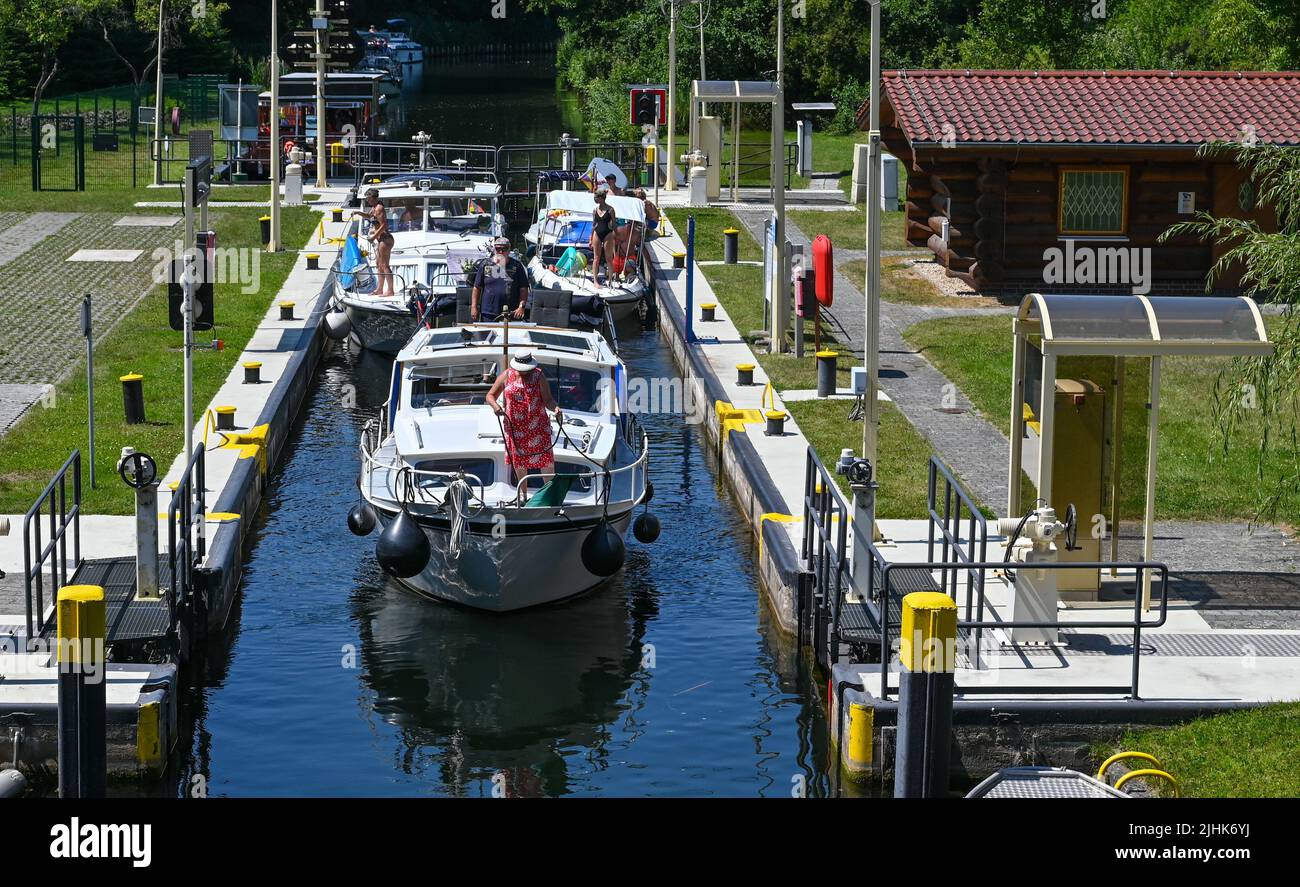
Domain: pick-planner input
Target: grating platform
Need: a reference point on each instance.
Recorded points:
(860, 622)
(129, 620)
(1042, 782)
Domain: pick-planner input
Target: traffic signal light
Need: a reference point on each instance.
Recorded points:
(646, 112)
(649, 105)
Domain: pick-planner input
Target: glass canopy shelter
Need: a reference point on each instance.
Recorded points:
(1048, 327)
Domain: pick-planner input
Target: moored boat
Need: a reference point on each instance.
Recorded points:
(457, 526)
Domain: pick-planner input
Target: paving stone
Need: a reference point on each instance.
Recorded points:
(29, 229)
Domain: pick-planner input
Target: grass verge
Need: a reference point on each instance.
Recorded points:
(847, 229)
(739, 288)
(1241, 754)
(143, 342)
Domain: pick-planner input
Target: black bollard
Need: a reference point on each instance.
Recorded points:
(252, 372)
(133, 398)
(313, 261)
(826, 373)
(225, 418)
(775, 423)
(706, 311)
(927, 655)
(266, 230)
(744, 374)
(731, 245)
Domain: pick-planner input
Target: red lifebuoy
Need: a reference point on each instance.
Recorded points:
(824, 268)
(176, 121)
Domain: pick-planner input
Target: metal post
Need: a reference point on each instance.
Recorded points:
(1116, 459)
(82, 754)
(690, 279)
(1017, 430)
(90, 379)
(273, 245)
(781, 292)
(146, 543)
(187, 311)
(871, 347)
(927, 657)
(1149, 516)
(322, 48)
(671, 183)
(158, 99)
(1047, 428)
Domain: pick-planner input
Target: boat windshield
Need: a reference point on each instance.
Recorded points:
(574, 389)
(444, 214)
(482, 469)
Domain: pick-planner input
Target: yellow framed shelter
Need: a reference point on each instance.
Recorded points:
(1048, 327)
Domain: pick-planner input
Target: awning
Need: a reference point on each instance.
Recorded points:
(581, 202)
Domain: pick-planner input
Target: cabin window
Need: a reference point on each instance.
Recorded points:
(1094, 201)
(482, 470)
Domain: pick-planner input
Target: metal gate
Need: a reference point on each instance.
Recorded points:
(58, 152)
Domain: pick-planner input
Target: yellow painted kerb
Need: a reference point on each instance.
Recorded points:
(80, 617)
(929, 632)
(732, 419)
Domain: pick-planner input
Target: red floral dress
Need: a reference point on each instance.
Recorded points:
(528, 425)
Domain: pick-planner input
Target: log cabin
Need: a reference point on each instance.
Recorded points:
(1049, 181)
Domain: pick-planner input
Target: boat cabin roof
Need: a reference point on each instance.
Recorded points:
(547, 344)
(629, 208)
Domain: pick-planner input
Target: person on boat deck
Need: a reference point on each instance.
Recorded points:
(604, 221)
(521, 396)
(651, 212)
(611, 182)
(381, 239)
(500, 285)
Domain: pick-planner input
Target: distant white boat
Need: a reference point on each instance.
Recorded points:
(564, 222)
(440, 228)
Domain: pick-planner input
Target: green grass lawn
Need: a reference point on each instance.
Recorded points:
(1244, 754)
(143, 342)
(739, 288)
(847, 229)
(1195, 479)
(261, 193)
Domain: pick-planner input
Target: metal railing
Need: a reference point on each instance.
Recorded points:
(55, 549)
(948, 526)
(1136, 624)
(186, 545)
(959, 530)
(370, 159)
(517, 166)
(755, 158)
(825, 552)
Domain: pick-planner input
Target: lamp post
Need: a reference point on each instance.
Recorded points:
(320, 23)
(671, 183)
(158, 97)
(871, 347)
(273, 244)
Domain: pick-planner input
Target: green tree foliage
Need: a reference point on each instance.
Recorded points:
(45, 26)
(1264, 392)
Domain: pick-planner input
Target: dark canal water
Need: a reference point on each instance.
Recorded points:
(668, 681)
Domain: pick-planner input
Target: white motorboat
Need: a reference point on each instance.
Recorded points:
(401, 47)
(440, 228)
(564, 223)
(436, 460)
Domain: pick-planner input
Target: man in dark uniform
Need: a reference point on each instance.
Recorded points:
(500, 284)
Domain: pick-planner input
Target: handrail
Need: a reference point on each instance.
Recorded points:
(954, 497)
(183, 551)
(824, 548)
(1136, 624)
(57, 545)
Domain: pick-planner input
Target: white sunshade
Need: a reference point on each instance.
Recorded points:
(582, 202)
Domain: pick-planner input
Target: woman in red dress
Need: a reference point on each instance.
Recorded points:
(522, 396)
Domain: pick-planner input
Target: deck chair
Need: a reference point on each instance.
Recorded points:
(464, 300)
(550, 307)
(552, 493)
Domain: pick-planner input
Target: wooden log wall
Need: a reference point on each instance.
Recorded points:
(1002, 211)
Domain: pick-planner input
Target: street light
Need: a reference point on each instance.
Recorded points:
(871, 347)
(273, 244)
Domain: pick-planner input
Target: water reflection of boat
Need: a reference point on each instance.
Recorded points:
(508, 702)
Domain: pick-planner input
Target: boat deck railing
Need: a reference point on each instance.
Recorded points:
(403, 483)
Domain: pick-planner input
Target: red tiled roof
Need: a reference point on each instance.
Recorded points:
(1094, 107)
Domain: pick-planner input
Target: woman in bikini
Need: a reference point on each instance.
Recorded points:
(381, 239)
(603, 222)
